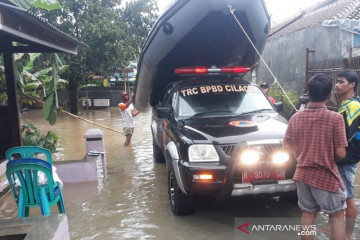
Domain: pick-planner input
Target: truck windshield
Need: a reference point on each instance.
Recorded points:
(229, 99)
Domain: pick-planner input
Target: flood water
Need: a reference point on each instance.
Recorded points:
(132, 201)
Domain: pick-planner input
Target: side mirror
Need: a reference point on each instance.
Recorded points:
(163, 112)
(279, 106)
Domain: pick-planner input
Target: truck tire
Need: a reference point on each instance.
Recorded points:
(157, 154)
(180, 203)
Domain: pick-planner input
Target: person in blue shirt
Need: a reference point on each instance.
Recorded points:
(346, 88)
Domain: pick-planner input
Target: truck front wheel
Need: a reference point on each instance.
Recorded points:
(180, 203)
(157, 154)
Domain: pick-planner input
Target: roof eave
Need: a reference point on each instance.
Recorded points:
(18, 23)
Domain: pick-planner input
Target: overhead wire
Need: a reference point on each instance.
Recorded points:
(262, 59)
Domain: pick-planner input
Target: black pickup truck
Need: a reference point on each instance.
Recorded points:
(219, 135)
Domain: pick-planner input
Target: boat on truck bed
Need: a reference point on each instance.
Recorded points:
(198, 33)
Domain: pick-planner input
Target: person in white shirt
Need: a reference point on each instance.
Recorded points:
(127, 113)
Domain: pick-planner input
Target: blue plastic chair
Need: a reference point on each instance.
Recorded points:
(28, 152)
(31, 193)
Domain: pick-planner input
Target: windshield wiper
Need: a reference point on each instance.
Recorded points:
(209, 113)
(256, 111)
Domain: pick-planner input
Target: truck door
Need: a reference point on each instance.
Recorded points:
(161, 124)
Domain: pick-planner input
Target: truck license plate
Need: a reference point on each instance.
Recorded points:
(248, 176)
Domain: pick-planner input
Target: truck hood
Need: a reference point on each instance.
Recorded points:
(220, 130)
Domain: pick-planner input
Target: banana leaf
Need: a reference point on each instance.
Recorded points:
(47, 4)
(30, 65)
(51, 105)
(43, 4)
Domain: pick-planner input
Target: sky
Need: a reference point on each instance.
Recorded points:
(279, 10)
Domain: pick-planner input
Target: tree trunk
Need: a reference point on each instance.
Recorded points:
(73, 85)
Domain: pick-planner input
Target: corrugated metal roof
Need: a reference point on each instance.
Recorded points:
(16, 22)
(315, 15)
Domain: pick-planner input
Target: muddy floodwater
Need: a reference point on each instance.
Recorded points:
(132, 201)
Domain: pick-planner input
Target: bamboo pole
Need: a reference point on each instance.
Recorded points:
(86, 120)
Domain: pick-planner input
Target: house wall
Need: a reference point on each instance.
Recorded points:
(113, 94)
(287, 54)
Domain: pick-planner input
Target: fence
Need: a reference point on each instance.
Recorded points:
(332, 68)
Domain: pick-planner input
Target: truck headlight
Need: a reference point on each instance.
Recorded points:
(280, 157)
(202, 153)
(250, 157)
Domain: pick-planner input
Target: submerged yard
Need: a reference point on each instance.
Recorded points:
(132, 201)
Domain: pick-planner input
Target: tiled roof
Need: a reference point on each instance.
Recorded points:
(315, 15)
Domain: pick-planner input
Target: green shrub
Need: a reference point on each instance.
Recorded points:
(279, 96)
(31, 136)
(80, 100)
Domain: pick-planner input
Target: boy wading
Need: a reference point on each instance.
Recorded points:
(345, 88)
(317, 138)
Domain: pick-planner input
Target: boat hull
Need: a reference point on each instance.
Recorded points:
(198, 33)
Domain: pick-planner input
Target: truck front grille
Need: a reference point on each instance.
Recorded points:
(270, 148)
(228, 149)
(266, 148)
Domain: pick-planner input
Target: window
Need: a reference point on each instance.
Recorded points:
(356, 42)
(230, 100)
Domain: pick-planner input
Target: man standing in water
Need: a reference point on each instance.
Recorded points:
(346, 88)
(317, 138)
(127, 114)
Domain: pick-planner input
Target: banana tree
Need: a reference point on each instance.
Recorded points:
(42, 85)
(51, 80)
(37, 86)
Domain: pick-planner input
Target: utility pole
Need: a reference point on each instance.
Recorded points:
(307, 68)
(126, 83)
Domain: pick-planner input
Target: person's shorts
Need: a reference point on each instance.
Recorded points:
(347, 173)
(313, 200)
(128, 131)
